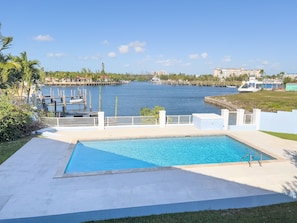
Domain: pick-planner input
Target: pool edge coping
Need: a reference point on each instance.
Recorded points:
(63, 164)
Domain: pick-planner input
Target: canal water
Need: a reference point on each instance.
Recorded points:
(128, 99)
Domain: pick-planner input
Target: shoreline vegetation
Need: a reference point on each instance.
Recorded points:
(266, 100)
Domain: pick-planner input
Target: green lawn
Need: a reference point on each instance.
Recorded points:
(280, 213)
(269, 101)
(283, 135)
(9, 148)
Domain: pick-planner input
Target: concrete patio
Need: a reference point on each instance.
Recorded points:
(33, 188)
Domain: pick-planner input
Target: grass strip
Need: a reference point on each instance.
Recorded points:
(283, 135)
(280, 213)
(9, 148)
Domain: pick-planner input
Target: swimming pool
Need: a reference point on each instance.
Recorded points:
(113, 155)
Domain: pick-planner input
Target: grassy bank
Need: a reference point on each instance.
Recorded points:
(269, 101)
(281, 213)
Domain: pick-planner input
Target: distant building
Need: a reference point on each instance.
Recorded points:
(223, 73)
(291, 87)
(293, 76)
(159, 73)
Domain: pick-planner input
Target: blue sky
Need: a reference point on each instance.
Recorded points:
(142, 36)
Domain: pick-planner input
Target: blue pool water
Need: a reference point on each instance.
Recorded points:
(90, 156)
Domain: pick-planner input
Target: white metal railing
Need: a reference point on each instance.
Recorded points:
(130, 120)
(70, 121)
(115, 121)
(232, 118)
(248, 119)
(179, 119)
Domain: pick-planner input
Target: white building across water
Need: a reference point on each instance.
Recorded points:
(223, 73)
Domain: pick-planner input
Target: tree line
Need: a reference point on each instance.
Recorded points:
(17, 74)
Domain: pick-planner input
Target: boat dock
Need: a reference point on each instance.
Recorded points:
(82, 83)
(78, 99)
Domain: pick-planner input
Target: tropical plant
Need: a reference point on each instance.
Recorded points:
(151, 111)
(5, 41)
(6, 64)
(29, 71)
(7, 69)
(15, 121)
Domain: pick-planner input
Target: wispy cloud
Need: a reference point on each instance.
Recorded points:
(227, 59)
(105, 42)
(194, 56)
(204, 55)
(90, 57)
(55, 55)
(111, 54)
(124, 49)
(137, 46)
(43, 38)
(167, 62)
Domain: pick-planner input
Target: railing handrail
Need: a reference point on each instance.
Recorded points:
(115, 120)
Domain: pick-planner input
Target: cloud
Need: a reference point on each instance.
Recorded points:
(55, 55)
(111, 54)
(105, 42)
(204, 55)
(193, 56)
(265, 62)
(43, 38)
(167, 62)
(227, 59)
(124, 49)
(138, 47)
(90, 58)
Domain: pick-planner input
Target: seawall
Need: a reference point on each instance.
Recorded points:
(220, 103)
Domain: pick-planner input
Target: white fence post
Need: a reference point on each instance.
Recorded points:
(225, 115)
(162, 118)
(256, 117)
(239, 116)
(101, 120)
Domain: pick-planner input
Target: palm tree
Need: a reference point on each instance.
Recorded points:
(6, 64)
(29, 71)
(262, 72)
(6, 67)
(5, 41)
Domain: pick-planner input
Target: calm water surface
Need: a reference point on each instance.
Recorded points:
(177, 100)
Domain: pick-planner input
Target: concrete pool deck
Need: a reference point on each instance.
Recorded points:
(32, 188)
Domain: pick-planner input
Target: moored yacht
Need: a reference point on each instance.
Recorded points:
(253, 85)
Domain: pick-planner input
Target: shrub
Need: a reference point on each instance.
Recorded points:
(15, 121)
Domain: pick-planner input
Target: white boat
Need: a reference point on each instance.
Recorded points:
(253, 85)
(76, 101)
(231, 86)
(156, 80)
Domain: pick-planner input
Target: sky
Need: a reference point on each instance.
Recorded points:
(144, 36)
